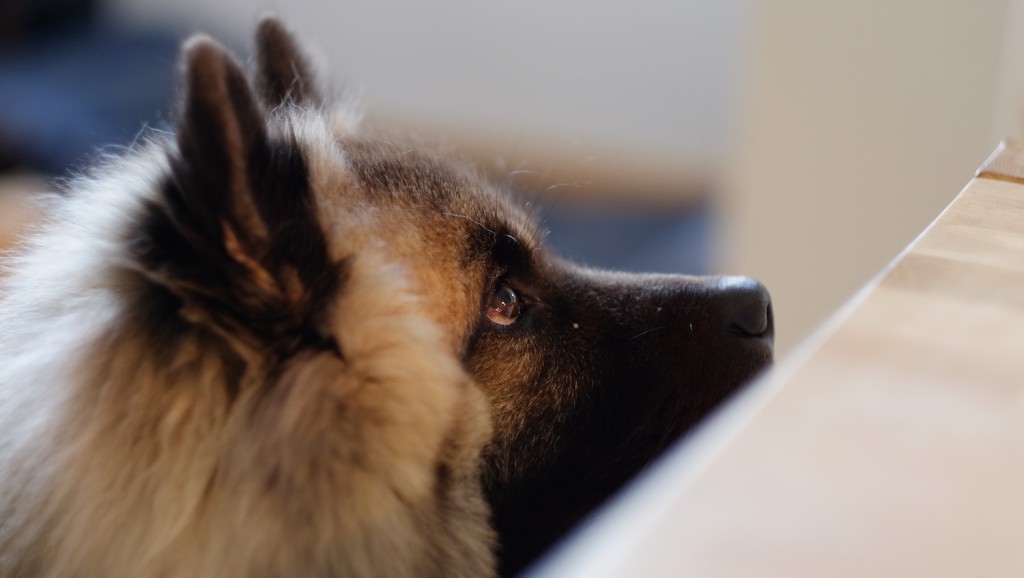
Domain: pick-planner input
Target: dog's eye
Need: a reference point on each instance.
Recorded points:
(504, 307)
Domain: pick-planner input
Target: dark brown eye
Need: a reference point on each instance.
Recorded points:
(504, 307)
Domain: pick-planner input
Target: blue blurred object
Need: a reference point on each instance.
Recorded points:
(633, 238)
(64, 94)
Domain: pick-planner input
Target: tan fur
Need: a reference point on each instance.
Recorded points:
(125, 456)
(359, 444)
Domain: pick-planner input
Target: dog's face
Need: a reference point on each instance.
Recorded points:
(311, 317)
(589, 374)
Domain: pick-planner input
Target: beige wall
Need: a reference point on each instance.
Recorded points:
(861, 121)
(1008, 119)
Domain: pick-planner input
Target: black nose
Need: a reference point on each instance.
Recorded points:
(748, 307)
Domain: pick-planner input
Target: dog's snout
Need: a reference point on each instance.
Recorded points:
(749, 307)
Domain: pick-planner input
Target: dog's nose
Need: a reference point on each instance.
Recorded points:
(749, 307)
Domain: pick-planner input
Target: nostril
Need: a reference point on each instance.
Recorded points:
(750, 320)
(749, 308)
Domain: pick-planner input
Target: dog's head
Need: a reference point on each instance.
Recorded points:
(589, 373)
(272, 215)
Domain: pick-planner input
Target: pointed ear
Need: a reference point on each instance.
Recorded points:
(213, 198)
(283, 71)
(221, 136)
(234, 235)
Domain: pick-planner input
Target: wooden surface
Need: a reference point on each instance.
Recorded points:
(891, 445)
(15, 212)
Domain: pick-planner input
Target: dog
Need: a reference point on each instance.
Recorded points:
(268, 345)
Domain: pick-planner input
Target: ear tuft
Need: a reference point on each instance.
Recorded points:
(283, 71)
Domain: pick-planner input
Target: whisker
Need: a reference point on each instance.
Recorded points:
(642, 333)
(576, 186)
(482, 226)
(507, 183)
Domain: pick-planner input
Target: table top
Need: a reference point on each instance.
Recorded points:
(891, 444)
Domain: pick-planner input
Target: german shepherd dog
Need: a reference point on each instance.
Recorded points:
(267, 346)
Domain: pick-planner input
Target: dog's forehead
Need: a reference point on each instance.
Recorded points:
(447, 189)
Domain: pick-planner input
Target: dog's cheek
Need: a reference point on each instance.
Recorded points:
(507, 372)
(433, 255)
(534, 385)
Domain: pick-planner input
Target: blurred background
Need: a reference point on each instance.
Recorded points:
(804, 143)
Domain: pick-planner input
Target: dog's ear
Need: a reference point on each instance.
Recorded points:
(283, 72)
(236, 237)
(221, 137)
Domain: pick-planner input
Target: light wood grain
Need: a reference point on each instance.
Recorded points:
(1006, 163)
(893, 445)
